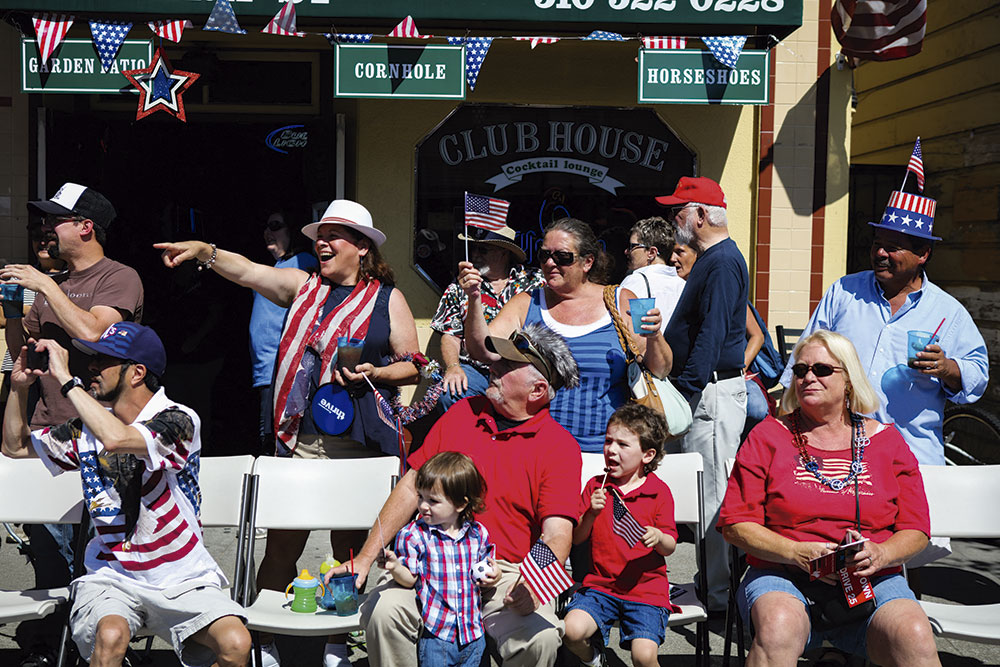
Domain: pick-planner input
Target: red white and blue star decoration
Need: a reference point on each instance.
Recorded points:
(726, 50)
(160, 87)
(108, 38)
(475, 53)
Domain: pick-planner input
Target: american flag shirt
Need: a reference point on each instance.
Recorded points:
(449, 596)
(144, 509)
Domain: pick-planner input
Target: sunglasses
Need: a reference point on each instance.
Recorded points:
(675, 210)
(525, 346)
(275, 225)
(820, 370)
(560, 257)
(633, 246)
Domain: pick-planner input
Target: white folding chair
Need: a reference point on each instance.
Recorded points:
(298, 494)
(682, 473)
(963, 502)
(223, 482)
(32, 495)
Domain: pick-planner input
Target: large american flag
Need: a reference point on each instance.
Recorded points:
(50, 30)
(623, 523)
(884, 30)
(543, 573)
(485, 212)
(916, 165)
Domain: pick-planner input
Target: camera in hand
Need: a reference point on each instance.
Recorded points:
(37, 359)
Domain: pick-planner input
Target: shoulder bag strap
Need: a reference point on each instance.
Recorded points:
(610, 292)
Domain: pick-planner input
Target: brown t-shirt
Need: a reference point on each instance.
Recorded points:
(106, 283)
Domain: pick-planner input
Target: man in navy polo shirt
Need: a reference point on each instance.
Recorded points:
(707, 333)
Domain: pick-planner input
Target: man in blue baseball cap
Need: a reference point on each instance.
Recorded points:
(147, 564)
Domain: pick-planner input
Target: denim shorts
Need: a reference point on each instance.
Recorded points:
(849, 638)
(638, 620)
(434, 652)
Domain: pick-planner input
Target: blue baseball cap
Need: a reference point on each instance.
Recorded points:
(131, 342)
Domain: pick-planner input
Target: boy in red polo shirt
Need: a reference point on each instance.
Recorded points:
(626, 583)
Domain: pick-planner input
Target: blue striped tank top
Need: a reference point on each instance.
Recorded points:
(584, 410)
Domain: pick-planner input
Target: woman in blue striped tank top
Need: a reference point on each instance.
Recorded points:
(572, 305)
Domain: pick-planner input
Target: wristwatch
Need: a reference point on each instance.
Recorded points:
(73, 382)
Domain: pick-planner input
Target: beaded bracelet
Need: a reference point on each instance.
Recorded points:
(208, 264)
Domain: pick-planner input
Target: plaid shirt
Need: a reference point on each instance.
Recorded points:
(449, 597)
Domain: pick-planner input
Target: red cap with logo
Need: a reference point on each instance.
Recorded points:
(699, 190)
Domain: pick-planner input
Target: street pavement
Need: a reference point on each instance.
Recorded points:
(970, 575)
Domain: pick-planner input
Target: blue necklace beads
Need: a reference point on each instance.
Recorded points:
(858, 443)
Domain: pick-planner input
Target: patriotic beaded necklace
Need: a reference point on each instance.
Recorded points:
(859, 441)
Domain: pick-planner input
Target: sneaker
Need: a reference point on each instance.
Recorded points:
(336, 655)
(269, 655)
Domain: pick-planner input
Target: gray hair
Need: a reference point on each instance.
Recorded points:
(716, 215)
(556, 352)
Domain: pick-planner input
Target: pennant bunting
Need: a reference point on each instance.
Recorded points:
(535, 41)
(726, 50)
(108, 38)
(50, 30)
(879, 30)
(916, 165)
(171, 29)
(283, 23)
(485, 212)
(664, 42)
(223, 19)
(160, 87)
(475, 54)
(407, 28)
(543, 573)
(604, 36)
(347, 38)
(623, 524)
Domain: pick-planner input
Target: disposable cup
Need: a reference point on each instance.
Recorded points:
(639, 308)
(916, 342)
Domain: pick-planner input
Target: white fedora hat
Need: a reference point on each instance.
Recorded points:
(350, 214)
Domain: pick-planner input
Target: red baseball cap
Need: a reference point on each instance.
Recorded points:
(700, 190)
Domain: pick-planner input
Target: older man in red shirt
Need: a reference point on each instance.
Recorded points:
(531, 466)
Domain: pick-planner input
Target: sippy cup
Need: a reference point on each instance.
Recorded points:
(304, 586)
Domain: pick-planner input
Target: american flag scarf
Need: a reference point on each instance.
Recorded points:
(350, 318)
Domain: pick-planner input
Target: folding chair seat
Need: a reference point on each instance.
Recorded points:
(683, 474)
(963, 502)
(298, 494)
(32, 495)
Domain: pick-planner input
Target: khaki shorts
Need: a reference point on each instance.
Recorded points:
(173, 614)
(312, 446)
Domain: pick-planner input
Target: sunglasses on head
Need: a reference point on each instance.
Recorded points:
(820, 370)
(525, 346)
(560, 257)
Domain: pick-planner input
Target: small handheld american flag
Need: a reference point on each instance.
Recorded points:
(543, 573)
(485, 212)
(623, 523)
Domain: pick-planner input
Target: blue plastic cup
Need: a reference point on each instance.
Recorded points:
(13, 300)
(341, 595)
(916, 342)
(639, 308)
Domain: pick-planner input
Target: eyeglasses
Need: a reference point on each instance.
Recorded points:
(560, 257)
(275, 225)
(675, 210)
(820, 370)
(633, 246)
(56, 220)
(524, 345)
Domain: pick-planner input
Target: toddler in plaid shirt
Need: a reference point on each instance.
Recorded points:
(436, 553)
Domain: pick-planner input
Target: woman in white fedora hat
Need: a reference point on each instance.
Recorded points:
(315, 393)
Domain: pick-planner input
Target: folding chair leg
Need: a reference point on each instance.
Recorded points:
(63, 646)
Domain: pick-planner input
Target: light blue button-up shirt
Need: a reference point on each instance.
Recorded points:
(856, 307)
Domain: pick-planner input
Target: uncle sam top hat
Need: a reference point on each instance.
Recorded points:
(909, 214)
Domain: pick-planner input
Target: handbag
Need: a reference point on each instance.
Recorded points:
(767, 364)
(647, 389)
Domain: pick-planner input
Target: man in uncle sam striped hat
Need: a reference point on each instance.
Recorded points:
(917, 342)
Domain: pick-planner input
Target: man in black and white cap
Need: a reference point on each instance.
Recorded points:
(96, 293)
(147, 564)
(501, 262)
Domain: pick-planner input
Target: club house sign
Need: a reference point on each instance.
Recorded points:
(563, 146)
